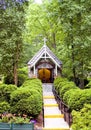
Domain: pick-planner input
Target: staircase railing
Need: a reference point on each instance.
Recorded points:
(63, 107)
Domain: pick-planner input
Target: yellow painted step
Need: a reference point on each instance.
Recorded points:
(50, 105)
(54, 116)
(55, 129)
(48, 97)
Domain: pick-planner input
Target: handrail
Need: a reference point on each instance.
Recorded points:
(63, 107)
(43, 115)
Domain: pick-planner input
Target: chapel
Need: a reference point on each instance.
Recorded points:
(44, 65)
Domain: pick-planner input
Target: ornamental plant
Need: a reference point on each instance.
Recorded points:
(76, 98)
(33, 83)
(5, 91)
(66, 87)
(82, 119)
(27, 99)
(4, 107)
(58, 82)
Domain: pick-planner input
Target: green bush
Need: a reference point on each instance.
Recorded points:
(22, 75)
(82, 119)
(4, 107)
(66, 87)
(33, 83)
(67, 95)
(28, 101)
(21, 79)
(58, 80)
(58, 83)
(5, 91)
(76, 98)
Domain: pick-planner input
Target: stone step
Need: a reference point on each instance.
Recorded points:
(55, 123)
(53, 119)
(51, 110)
(50, 101)
(54, 116)
(50, 105)
(55, 129)
(48, 94)
(48, 97)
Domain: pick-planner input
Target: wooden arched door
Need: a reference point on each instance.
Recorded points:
(45, 75)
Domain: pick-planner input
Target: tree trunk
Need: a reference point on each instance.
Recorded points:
(15, 74)
(54, 40)
(73, 55)
(81, 85)
(16, 64)
(73, 67)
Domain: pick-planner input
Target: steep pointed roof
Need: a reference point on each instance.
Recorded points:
(47, 54)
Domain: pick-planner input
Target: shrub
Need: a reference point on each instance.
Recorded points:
(28, 101)
(22, 76)
(82, 119)
(58, 82)
(67, 95)
(5, 91)
(33, 83)
(21, 79)
(66, 87)
(4, 107)
(77, 98)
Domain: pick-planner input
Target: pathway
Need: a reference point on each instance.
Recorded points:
(53, 119)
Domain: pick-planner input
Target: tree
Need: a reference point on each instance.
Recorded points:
(41, 22)
(11, 43)
(75, 21)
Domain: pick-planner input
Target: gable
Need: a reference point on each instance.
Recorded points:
(44, 53)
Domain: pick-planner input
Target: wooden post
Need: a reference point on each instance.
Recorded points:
(56, 69)
(34, 70)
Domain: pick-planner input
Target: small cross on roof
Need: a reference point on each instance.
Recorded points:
(45, 40)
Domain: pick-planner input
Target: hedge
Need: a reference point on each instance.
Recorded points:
(76, 99)
(66, 87)
(71, 95)
(28, 98)
(82, 119)
(62, 85)
(59, 82)
(4, 107)
(33, 83)
(5, 91)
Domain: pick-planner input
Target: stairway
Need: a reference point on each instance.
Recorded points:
(53, 119)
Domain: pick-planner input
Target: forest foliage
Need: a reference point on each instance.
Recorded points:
(66, 26)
